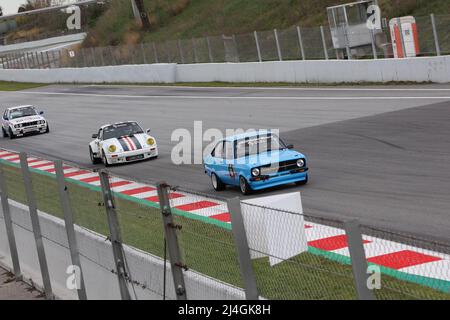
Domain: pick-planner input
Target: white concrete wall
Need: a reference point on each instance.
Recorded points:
(151, 73)
(97, 263)
(423, 69)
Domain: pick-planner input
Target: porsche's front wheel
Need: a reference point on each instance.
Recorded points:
(94, 160)
(244, 186)
(217, 184)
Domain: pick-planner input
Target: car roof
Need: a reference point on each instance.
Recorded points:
(20, 107)
(117, 123)
(249, 134)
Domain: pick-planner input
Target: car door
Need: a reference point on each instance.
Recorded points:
(217, 162)
(230, 174)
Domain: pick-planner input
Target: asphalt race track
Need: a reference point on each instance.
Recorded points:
(381, 154)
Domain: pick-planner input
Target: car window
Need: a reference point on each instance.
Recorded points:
(258, 144)
(229, 154)
(22, 112)
(218, 150)
(121, 130)
(5, 115)
(100, 135)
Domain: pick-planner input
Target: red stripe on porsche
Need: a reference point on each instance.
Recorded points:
(171, 196)
(91, 179)
(119, 184)
(224, 217)
(332, 243)
(402, 259)
(130, 143)
(76, 173)
(197, 205)
(36, 166)
(138, 190)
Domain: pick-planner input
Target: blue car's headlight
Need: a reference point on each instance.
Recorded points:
(255, 172)
(300, 163)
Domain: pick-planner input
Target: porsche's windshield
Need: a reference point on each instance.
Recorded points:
(258, 144)
(22, 112)
(121, 130)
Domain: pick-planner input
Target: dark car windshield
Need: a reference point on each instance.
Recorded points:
(258, 144)
(23, 112)
(120, 130)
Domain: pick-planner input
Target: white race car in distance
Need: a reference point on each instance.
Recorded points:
(21, 120)
(121, 143)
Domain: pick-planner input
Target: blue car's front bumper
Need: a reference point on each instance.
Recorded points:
(269, 181)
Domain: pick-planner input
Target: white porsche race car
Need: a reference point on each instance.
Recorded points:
(121, 143)
(21, 120)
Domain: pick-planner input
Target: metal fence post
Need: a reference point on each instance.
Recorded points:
(300, 42)
(9, 225)
(180, 49)
(324, 43)
(374, 47)
(155, 52)
(144, 57)
(69, 225)
(236, 47)
(358, 258)
(243, 250)
(400, 29)
(94, 61)
(194, 50)
(36, 226)
(258, 49)
(115, 237)
(172, 241)
(435, 34)
(208, 42)
(277, 42)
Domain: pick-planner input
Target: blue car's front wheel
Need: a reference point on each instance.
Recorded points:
(244, 186)
(217, 184)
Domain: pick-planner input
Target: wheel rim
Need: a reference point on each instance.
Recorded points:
(243, 186)
(214, 180)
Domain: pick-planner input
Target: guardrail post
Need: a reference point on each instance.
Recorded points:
(172, 241)
(69, 225)
(277, 42)
(243, 250)
(258, 49)
(36, 226)
(324, 43)
(435, 35)
(358, 258)
(9, 225)
(300, 42)
(115, 237)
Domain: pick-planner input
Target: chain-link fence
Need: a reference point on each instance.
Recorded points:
(423, 36)
(82, 234)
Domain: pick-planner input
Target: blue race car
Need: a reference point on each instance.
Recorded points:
(255, 161)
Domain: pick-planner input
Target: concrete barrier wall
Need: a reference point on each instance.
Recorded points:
(423, 69)
(97, 263)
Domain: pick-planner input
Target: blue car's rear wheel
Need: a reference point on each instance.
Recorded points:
(244, 186)
(217, 184)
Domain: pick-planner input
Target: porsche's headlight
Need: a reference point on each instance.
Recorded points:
(255, 172)
(150, 141)
(300, 163)
(112, 148)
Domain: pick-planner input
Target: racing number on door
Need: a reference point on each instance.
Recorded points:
(231, 171)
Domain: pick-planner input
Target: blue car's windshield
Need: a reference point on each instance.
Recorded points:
(257, 145)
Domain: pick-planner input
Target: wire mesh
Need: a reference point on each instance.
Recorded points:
(268, 45)
(289, 44)
(245, 47)
(443, 33)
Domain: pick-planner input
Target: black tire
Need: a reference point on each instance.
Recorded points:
(217, 184)
(94, 160)
(4, 133)
(105, 161)
(244, 186)
(48, 129)
(11, 134)
(302, 183)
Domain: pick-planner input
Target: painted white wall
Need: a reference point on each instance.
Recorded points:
(100, 282)
(422, 69)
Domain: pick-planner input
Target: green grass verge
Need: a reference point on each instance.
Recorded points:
(16, 86)
(209, 248)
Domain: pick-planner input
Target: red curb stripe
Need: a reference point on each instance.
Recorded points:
(197, 205)
(91, 179)
(171, 196)
(119, 184)
(138, 190)
(36, 166)
(76, 173)
(402, 259)
(33, 160)
(332, 243)
(224, 217)
(14, 159)
(54, 169)
(7, 155)
(307, 226)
